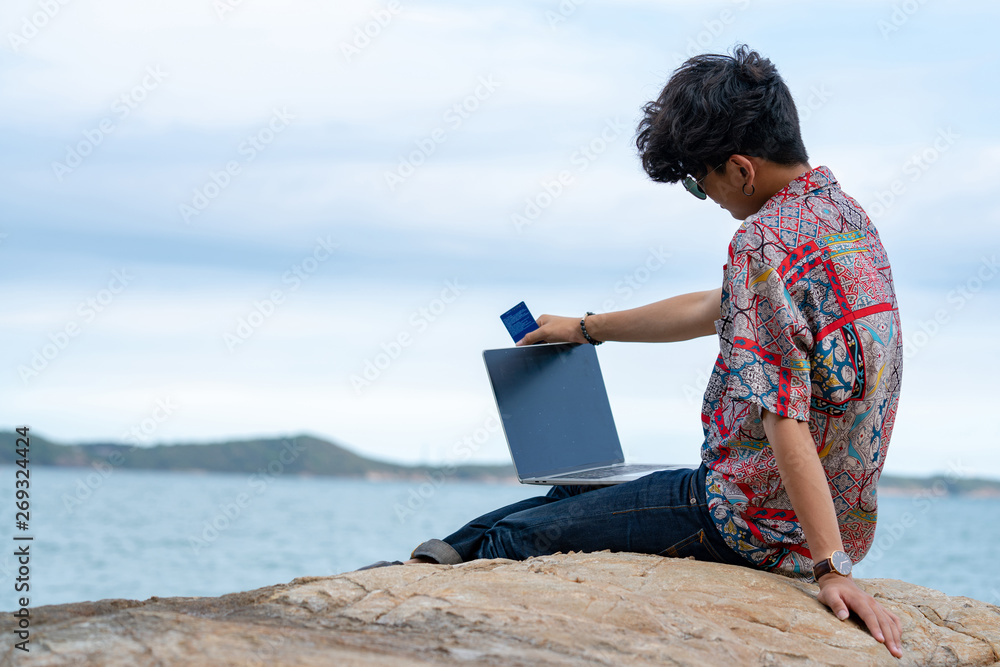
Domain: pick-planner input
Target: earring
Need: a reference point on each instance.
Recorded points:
(753, 189)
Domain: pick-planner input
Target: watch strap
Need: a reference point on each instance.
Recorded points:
(823, 568)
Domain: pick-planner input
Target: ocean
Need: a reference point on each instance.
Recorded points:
(136, 534)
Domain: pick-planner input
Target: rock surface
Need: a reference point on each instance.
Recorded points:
(566, 609)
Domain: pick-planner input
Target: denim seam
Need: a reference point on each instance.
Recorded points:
(658, 507)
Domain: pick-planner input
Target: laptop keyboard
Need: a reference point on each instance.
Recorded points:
(609, 471)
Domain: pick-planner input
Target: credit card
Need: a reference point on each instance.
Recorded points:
(518, 321)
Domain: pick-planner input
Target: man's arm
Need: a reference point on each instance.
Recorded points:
(805, 481)
(677, 318)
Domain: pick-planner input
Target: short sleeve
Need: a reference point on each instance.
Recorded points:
(765, 341)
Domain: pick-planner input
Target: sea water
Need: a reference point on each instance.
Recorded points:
(135, 534)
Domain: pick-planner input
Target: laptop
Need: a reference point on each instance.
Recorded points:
(556, 416)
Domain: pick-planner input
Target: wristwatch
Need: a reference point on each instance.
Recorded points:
(838, 563)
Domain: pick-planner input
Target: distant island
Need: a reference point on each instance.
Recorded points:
(309, 455)
(297, 455)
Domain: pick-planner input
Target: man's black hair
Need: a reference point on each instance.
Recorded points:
(715, 106)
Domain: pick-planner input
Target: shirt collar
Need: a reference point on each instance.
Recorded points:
(808, 183)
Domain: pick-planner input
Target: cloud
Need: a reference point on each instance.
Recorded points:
(521, 190)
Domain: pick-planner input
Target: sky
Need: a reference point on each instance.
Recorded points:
(239, 218)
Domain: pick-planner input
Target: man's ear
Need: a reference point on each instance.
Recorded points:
(746, 167)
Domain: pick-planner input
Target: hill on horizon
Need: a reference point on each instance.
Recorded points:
(301, 455)
(309, 455)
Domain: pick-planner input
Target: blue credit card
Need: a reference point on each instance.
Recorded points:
(518, 321)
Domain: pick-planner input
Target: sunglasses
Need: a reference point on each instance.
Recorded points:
(694, 186)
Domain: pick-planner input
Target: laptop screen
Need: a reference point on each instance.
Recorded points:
(554, 408)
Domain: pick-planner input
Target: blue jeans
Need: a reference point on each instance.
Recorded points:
(664, 513)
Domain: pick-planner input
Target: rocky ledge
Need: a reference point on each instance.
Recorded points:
(566, 609)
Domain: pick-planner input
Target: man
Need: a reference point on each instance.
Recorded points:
(800, 406)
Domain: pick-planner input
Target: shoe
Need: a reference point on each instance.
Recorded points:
(438, 551)
(381, 563)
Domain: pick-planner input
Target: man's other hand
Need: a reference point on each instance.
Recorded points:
(843, 596)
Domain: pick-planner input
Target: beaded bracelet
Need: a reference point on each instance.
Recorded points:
(583, 329)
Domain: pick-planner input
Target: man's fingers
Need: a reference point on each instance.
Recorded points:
(530, 338)
(838, 607)
(892, 638)
(533, 337)
(892, 628)
(871, 619)
(884, 626)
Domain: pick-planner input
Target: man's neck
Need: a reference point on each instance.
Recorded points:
(776, 177)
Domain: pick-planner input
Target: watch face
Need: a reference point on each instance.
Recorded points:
(841, 562)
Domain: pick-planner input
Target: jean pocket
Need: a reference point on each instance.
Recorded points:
(696, 545)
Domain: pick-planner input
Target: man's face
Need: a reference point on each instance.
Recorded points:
(725, 189)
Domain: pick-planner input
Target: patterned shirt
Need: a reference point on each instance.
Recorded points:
(809, 330)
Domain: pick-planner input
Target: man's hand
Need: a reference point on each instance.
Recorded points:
(554, 329)
(842, 596)
(678, 318)
(805, 481)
